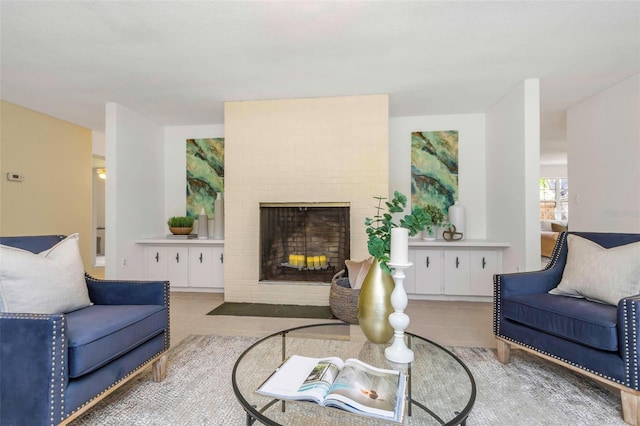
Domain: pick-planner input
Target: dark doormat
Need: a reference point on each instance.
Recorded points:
(276, 311)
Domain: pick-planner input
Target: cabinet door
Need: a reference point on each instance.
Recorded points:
(484, 264)
(456, 272)
(156, 263)
(178, 266)
(201, 266)
(218, 267)
(428, 271)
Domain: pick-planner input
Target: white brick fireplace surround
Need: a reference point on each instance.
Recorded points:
(298, 150)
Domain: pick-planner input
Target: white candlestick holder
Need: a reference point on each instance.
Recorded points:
(398, 351)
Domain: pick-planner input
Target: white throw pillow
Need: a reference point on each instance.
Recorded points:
(51, 282)
(600, 274)
(358, 271)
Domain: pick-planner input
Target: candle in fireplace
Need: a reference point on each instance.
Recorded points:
(323, 260)
(399, 245)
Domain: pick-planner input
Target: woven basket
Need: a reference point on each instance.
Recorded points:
(343, 300)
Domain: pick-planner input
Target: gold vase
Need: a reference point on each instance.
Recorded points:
(374, 305)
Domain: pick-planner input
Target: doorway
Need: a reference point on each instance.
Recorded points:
(99, 177)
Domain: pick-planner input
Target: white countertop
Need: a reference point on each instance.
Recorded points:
(457, 244)
(175, 241)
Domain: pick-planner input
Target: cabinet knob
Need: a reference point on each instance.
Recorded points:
(178, 257)
(200, 257)
(221, 257)
(427, 261)
(157, 257)
(484, 262)
(457, 262)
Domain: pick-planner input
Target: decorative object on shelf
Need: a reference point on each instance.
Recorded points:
(457, 218)
(451, 235)
(398, 351)
(218, 218)
(203, 225)
(374, 305)
(436, 222)
(180, 225)
(429, 233)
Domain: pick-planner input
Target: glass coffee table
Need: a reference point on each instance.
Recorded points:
(440, 389)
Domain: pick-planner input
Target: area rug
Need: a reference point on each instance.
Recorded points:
(198, 391)
(274, 311)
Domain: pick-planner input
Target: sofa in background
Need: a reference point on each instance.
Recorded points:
(56, 366)
(549, 231)
(597, 339)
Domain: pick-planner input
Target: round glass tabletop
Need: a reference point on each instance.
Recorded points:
(440, 388)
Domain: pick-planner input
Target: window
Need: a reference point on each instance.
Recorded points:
(554, 199)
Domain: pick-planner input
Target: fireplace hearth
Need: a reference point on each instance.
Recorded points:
(303, 242)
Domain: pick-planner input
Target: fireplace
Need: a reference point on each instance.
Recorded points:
(303, 242)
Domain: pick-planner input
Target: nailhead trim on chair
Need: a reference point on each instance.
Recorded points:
(497, 306)
(630, 349)
(565, 361)
(555, 254)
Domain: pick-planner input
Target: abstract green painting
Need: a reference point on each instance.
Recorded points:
(434, 169)
(205, 174)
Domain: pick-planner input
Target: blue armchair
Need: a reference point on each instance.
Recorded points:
(55, 367)
(598, 340)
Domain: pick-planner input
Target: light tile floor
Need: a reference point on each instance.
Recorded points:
(444, 322)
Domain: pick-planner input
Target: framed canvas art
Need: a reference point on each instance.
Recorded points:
(434, 168)
(205, 174)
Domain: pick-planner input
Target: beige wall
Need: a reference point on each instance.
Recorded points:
(299, 150)
(55, 158)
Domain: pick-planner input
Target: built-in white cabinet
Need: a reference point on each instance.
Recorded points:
(427, 271)
(456, 269)
(189, 265)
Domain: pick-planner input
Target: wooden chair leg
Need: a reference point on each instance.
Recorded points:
(503, 350)
(160, 368)
(630, 406)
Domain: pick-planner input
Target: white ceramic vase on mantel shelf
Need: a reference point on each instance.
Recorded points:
(457, 217)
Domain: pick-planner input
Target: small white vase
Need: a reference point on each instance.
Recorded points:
(429, 235)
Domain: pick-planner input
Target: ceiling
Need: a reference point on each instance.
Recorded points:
(177, 62)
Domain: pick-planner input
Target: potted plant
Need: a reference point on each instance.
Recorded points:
(374, 301)
(437, 221)
(180, 225)
(379, 227)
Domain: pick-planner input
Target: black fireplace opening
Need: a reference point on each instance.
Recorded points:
(304, 242)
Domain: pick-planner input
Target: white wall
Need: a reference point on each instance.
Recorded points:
(513, 169)
(554, 171)
(471, 153)
(135, 188)
(98, 144)
(175, 165)
(603, 134)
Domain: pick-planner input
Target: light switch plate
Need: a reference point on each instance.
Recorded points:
(16, 177)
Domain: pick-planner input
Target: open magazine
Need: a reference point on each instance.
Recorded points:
(350, 385)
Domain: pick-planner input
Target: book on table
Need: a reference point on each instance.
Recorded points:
(351, 385)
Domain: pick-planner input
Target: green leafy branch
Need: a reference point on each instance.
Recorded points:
(379, 226)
